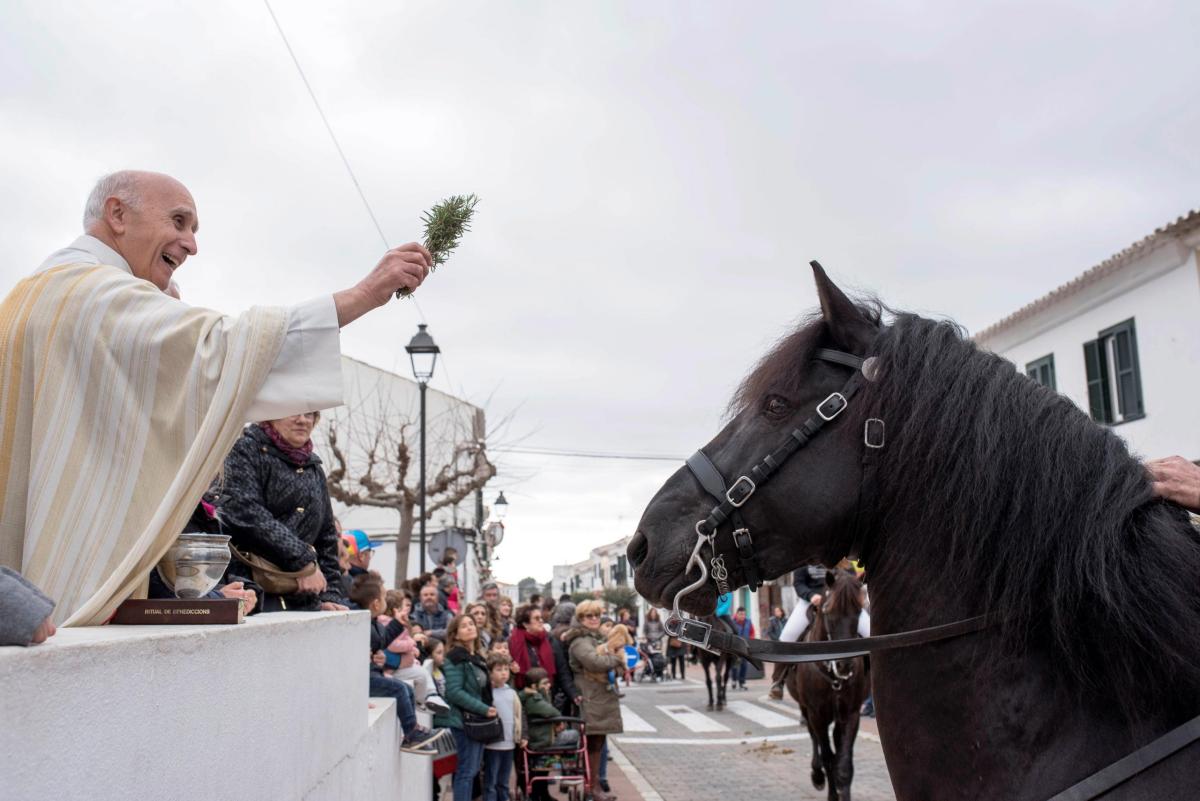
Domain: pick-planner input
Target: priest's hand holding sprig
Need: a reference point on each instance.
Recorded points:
(400, 268)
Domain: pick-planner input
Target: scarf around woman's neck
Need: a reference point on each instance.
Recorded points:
(519, 645)
(297, 456)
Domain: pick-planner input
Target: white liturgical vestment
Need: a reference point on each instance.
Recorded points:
(307, 373)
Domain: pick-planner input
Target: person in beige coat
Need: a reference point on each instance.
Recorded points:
(590, 662)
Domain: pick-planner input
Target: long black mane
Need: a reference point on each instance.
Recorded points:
(1029, 510)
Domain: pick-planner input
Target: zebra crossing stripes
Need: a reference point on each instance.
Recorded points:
(633, 722)
(690, 718)
(760, 715)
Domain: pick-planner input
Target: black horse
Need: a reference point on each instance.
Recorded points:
(721, 666)
(830, 694)
(992, 495)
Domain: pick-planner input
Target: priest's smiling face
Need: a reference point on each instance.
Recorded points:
(156, 233)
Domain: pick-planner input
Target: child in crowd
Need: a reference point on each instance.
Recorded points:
(501, 647)
(401, 657)
(433, 664)
(543, 733)
(368, 593)
(418, 633)
(498, 756)
(616, 637)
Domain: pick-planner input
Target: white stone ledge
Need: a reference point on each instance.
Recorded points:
(274, 708)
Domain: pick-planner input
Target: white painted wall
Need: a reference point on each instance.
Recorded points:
(1162, 293)
(275, 708)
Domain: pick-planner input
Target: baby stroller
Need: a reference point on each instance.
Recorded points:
(654, 664)
(565, 762)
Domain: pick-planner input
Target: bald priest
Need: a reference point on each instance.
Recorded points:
(118, 402)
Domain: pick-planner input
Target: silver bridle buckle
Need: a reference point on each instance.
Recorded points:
(694, 632)
(838, 403)
(729, 492)
(873, 433)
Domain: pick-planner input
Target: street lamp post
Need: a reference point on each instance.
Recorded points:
(423, 353)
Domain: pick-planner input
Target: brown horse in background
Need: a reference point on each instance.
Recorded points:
(832, 693)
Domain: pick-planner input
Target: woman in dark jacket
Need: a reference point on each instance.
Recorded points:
(468, 690)
(273, 503)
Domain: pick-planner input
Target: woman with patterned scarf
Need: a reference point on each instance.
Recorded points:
(273, 503)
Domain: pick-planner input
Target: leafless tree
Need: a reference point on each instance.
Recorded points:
(374, 462)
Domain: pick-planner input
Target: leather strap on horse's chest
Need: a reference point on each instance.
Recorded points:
(757, 650)
(1127, 767)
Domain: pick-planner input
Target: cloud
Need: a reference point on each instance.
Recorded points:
(654, 180)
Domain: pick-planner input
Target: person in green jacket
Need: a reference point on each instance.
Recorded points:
(467, 690)
(535, 701)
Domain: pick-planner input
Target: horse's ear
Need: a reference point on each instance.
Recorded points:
(847, 326)
(831, 578)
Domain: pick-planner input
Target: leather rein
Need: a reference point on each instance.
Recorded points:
(730, 500)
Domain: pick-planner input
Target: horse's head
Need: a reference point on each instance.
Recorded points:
(806, 512)
(837, 618)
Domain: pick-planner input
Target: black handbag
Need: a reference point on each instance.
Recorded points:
(481, 728)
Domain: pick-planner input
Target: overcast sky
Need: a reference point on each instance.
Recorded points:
(655, 177)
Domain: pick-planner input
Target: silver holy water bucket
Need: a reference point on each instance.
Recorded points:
(195, 564)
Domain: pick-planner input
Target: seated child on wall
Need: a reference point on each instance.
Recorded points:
(367, 592)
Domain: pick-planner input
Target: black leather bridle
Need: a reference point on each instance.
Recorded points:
(730, 500)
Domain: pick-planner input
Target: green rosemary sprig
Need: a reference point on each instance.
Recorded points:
(445, 225)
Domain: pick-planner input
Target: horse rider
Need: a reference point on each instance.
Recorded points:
(809, 584)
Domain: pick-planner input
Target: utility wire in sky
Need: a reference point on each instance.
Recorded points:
(345, 161)
(639, 457)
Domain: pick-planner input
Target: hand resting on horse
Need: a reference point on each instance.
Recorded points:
(1176, 479)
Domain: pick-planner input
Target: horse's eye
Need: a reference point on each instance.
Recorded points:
(776, 407)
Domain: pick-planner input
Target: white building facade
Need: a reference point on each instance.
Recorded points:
(1122, 341)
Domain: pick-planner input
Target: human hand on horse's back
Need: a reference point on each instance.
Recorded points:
(1176, 479)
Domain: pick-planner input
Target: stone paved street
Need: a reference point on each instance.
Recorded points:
(757, 749)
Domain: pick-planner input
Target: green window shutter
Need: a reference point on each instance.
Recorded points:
(1129, 381)
(1096, 362)
(1042, 371)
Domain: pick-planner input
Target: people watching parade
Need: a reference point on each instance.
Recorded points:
(429, 613)
(401, 657)
(469, 693)
(600, 708)
(743, 628)
(361, 549)
(498, 755)
(368, 593)
(274, 504)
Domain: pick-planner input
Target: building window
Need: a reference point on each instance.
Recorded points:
(1113, 378)
(1042, 371)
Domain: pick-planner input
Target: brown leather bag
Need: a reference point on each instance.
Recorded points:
(271, 577)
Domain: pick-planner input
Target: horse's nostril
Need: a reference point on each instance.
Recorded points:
(639, 546)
